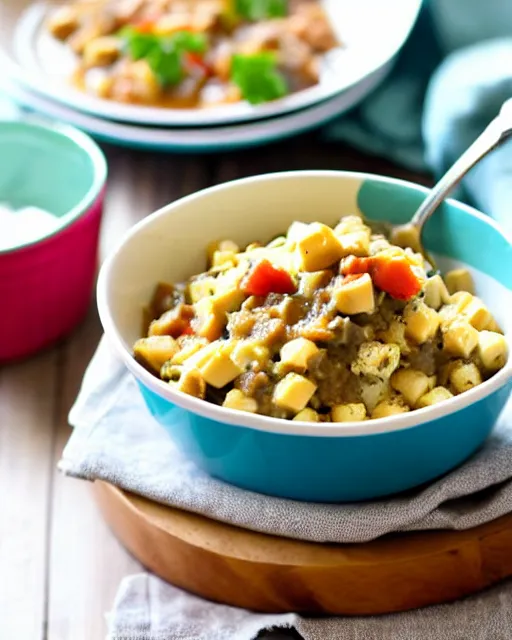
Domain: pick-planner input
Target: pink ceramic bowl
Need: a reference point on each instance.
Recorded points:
(46, 285)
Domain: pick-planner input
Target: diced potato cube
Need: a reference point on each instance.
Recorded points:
(406, 235)
(209, 322)
(438, 394)
(223, 257)
(492, 349)
(477, 314)
(319, 248)
(494, 326)
(231, 278)
(155, 350)
(421, 322)
(464, 376)
(412, 384)
(307, 415)
(390, 407)
(373, 391)
(198, 358)
(227, 301)
(376, 359)
(249, 352)
(350, 224)
(311, 282)
(296, 353)
(236, 399)
(192, 383)
(460, 338)
(459, 280)
(219, 370)
(201, 288)
(221, 245)
(436, 293)
(277, 243)
(293, 392)
(351, 412)
(460, 300)
(355, 296)
(64, 22)
(395, 334)
(101, 52)
(192, 346)
(356, 243)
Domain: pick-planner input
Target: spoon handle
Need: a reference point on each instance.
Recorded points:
(496, 132)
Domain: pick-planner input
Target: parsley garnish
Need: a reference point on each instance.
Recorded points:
(164, 54)
(258, 78)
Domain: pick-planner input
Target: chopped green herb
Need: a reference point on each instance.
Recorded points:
(164, 54)
(261, 9)
(258, 78)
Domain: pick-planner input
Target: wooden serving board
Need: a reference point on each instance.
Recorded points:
(265, 573)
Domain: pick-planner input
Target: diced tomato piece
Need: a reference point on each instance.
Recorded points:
(352, 265)
(264, 278)
(392, 274)
(395, 276)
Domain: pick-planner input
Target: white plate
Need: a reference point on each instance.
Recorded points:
(200, 139)
(372, 31)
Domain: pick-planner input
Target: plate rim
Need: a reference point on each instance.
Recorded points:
(240, 113)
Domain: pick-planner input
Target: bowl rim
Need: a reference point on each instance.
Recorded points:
(269, 424)
(85, 144)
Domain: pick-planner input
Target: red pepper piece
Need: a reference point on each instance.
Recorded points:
(188, 331)
(395, 276)
(197, 60)
(352, 265)
(264, 278)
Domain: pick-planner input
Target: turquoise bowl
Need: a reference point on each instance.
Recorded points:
(319, 462)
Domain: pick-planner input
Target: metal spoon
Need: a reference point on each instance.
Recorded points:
(409, 235)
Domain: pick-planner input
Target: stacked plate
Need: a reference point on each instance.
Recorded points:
(35, 72)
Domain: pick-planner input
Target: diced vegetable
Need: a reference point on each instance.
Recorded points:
(260, 9)
(390, 273)
(438, 394)
(376, 359)
(307, 415)
(236, 399)
(155, 350)
(421, 322)
(318, 247)
(296, 353)
(464, 376)
(459, 280)
(264, 278)
(258, 77)
(293, 392)
(460, 338)
(352, 412)
(354, 296)
(392, 407)
(492, 349)
(412, 384)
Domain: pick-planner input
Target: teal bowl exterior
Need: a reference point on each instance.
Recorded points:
(330, 462)
(345, 469)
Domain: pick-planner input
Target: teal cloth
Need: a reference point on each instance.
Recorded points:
(449, 81)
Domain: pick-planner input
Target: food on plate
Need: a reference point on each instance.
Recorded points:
(323, 324)
(194, 53)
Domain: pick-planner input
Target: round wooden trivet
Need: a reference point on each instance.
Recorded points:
(265, 573)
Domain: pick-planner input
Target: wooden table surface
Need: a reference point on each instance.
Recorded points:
(59, 565)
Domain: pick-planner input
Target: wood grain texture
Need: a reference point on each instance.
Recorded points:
(266, 573)
(28, 397)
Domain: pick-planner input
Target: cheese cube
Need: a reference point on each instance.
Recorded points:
(477, 314)
(492, 349)
(460, 300)
(438, 394)
(227, 301)
(155, 350)
(221, 258)
(191, 359)
(421, 322)
(354, 296)
(307, 415)
(376, 359)
(235, 399)
(189, 347)
(390, 407)
(219, 370)
(464, 376)
(220, 246)
(247, 353)
(436, 293)
(296, 353)
(459, 280)
(460, 338)
(318, 249)
(351, 412)
(293, 392)
(412, 384)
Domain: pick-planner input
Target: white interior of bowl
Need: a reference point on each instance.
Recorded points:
(170, 246)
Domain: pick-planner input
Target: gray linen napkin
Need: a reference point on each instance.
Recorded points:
(148, 609)
(116, 440)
